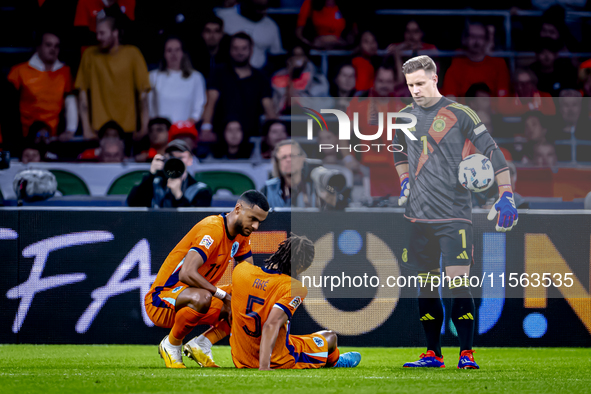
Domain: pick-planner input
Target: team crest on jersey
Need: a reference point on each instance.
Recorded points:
(439, 124)
(207, 241)
(295, 302)
(318, 341)
(235, 246)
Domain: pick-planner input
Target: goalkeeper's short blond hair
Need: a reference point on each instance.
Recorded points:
(422, 62)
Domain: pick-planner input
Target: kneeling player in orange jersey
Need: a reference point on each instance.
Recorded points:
(263, 302)
(181, 296)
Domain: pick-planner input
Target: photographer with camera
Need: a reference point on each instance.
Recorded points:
(303, 183)
(169, 185)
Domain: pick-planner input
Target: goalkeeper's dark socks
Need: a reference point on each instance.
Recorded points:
(462, 315)
(431, 312)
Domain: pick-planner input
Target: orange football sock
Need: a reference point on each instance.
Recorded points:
(332, 358)
(185, 320)
(218, 332)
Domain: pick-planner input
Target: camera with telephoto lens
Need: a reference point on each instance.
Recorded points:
(173, 168)
(333, 181)
(330, 184)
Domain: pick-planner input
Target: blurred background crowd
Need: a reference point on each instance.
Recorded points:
(117, 81)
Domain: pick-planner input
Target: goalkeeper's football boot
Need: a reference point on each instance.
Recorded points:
(200, 356)
(467, 360)
(172, 355)
(348, 360)
(427, 360)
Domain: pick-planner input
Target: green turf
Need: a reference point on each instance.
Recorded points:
(117, 369)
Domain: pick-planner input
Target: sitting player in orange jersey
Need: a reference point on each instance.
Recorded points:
(181, 296)
(263, 302)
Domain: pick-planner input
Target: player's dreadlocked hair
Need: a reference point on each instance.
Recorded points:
(296, 251)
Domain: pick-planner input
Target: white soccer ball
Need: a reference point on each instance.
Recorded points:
(476, 173)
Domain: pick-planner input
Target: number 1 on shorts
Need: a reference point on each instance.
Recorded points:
(463, 234)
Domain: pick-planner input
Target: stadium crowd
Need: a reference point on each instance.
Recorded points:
(113, 81)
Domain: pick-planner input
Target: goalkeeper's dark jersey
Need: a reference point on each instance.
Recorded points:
(443, 133)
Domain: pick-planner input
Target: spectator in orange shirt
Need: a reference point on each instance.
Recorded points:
(367, 61)
(45, 86)
(328, 22)
(158, 135)
(527, 97)
(476, 66)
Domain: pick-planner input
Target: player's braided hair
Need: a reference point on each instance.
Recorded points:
(296, 251)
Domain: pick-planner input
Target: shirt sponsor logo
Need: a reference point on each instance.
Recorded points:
(295, 302)
(207, 241)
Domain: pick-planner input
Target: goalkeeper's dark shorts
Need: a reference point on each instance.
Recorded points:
(452, 243)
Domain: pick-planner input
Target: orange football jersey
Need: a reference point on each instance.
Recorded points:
(255, 292)
(210, 239)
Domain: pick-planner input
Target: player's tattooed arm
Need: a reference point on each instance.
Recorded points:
(189, 272)
(277, 319)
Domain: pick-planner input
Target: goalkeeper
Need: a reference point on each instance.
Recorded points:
(440, 209)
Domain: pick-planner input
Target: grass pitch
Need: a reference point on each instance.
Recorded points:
(138, 369)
